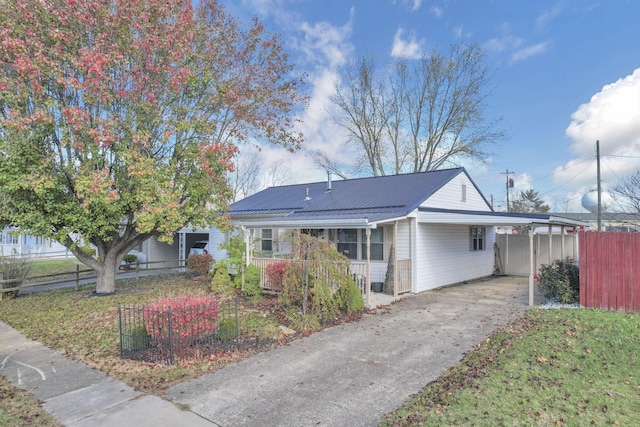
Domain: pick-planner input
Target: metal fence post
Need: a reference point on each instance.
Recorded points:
(170, 337)
(77, 276)
(120, 328)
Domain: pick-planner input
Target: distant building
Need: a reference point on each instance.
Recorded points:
(13, 242)
(611, 221)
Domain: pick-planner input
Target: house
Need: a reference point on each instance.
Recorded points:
(15, 243)
(415, 232)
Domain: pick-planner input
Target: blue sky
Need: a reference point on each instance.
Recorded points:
(567, 73)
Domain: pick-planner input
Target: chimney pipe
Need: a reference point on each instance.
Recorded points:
(329, 186)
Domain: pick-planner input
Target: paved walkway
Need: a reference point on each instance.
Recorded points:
(350, 375)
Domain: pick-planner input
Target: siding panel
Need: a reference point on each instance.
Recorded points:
(444, 257)
(450, 196)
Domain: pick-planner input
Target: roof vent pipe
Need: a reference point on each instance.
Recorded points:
(307, 198)
(329, 187)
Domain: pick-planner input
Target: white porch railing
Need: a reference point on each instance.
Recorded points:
(358, 269)
(404, 276)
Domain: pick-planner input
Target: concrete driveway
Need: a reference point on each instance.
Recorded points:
(351, 375)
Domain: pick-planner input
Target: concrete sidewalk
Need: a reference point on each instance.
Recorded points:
(77, 395)
(349, 375)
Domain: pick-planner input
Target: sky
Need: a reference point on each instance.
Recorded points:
(566, 74)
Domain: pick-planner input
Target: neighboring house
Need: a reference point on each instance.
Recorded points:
(438, 225)
(13, 242)
(611, 221)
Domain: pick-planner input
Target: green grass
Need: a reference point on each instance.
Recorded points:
(17, 408)
(552, 367)
(54, 266)
(85, 328)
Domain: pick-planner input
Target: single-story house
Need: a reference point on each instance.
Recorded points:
(433, 228)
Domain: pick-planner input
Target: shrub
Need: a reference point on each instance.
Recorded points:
(252, 282)
(560, 281)
(221, 281)
(130, 258)
(292, 284)
(227, 329)
(191, 316)
(200, 263)
(14, 269)
(138, 339)
(276, 273)
(350, 297)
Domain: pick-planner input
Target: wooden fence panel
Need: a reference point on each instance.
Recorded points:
(609, 277)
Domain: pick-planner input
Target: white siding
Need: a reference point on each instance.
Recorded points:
(161, 251)
(443, 256)
(216, 238)
(450, 196)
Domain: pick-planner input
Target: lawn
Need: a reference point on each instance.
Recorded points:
(54, 266)
(551, 367)
(85, 327)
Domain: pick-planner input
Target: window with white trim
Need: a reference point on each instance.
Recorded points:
(348, 242)
(376, 245)
(477, 237)
(266, 241)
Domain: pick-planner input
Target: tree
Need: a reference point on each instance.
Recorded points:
(529, 201)
(422, 116)
(119, 119)
(627, 193)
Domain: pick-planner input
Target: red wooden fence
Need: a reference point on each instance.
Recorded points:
(610, 270)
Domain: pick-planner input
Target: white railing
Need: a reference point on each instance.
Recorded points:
(404, 276)
(357, 269)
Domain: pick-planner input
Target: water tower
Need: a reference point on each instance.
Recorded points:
(590, 201)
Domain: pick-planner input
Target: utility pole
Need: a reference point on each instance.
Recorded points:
(509, 185)
(599, 186)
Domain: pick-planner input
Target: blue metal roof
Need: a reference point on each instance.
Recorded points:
(374, 198)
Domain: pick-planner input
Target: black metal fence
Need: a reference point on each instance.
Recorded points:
(166, 335)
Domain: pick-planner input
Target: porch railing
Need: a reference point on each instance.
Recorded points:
(358, 269)
(404, 276)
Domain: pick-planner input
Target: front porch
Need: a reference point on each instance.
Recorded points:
(399, 283)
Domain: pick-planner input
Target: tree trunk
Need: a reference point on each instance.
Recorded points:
(106, 280)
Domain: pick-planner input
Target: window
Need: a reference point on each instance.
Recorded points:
(477, 235)
(267, 240)
(348, 242)
(377, 244)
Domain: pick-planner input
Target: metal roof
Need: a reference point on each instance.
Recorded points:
(372, 199)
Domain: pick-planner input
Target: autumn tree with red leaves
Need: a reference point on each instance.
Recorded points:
(119, 119)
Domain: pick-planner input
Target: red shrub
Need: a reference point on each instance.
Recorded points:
(275, 274)
(191, 316)
(200, 263)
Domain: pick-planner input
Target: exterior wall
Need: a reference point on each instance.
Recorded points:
(216, 238)
(450, 196)
(161, 251)
(443, 256)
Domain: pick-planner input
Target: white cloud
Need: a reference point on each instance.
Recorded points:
(611, 116)
(529, 51)
(411, 5)
(549, 15)
(406, 48)
(326, 43)
(435, 11)
(501, 44)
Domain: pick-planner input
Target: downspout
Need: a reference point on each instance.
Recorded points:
(531, 266)
(368, 281)
(395, 259)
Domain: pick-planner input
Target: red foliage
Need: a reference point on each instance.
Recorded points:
(191, 316)
(200, 264)
(275, 274)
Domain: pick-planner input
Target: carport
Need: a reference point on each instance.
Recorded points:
(508, 219)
